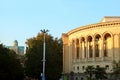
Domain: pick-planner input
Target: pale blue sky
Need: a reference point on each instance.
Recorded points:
(23, 19)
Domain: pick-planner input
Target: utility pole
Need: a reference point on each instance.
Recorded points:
(44, 46)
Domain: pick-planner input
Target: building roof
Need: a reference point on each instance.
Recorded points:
(110, 18)
(106, 21)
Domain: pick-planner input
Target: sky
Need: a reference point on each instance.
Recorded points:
(23, 19)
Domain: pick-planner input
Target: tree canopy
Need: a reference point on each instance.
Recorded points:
(10, 67)
(116, 70)
(98, 72)
(90, 70)
(34, 56)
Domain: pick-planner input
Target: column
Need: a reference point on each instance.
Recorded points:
(86, 45)
(119, 45)
(116, 47)
(88, 50)
(75, 50)
(80, 49)
(102, 48)
(85, 52)
(66, 61)
(70, 56)
(93, 49)
(112, 41)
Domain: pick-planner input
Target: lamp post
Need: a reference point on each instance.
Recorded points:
(43, 74)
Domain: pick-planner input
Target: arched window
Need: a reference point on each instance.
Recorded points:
(106, 44)
(83, 47)
(90, 46)
(107, 66)
(97, 45)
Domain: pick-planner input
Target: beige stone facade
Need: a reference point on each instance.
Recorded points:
(95, 44)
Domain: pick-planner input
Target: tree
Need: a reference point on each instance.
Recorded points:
(100, 73)
(34, 53)
(10, 67)
(90, 71)
(116, 70)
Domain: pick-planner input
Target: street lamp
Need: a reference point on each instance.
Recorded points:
(43, 74)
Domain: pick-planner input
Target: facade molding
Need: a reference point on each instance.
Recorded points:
(100, 25)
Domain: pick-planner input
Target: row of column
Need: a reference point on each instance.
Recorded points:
(92, 47)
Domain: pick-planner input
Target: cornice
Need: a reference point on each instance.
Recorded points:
(102, 24)
(112, 17)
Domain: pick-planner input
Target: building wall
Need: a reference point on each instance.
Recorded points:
(95, 44)
(18, 49)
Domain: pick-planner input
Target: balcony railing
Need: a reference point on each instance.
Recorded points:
(98, 59)
(92, 59)
(107, 58)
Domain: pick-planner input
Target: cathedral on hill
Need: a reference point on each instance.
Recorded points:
(18, 49)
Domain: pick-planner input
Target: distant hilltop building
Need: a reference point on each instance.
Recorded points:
(95, 45)
(18, 49)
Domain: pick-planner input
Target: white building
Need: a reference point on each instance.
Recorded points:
(18, 49)
(95, 44)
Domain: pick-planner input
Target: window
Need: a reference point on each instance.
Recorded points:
(105, 49)
(85, 52)
(97, 39)
(77, 53)
(77, 67)
(107, 39)
(97, 66)
(107, 66)
(76, 78)
(77, 49)
(83, 67)
(90, 51)
(97, 50)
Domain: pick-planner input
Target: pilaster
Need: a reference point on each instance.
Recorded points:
(94, 49)
(102, 48)
(112, 41)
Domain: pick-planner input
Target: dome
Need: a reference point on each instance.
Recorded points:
(15, 43)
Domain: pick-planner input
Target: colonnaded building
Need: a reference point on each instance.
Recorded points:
(95, 44)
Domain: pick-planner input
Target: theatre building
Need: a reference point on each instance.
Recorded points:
(95, 44)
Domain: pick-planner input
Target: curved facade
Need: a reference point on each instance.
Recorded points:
(95, 44)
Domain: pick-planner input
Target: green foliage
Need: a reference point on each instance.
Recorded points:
(90, 70)
(99, 72)
(34, 57)
(10, 67)
(116, 69)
